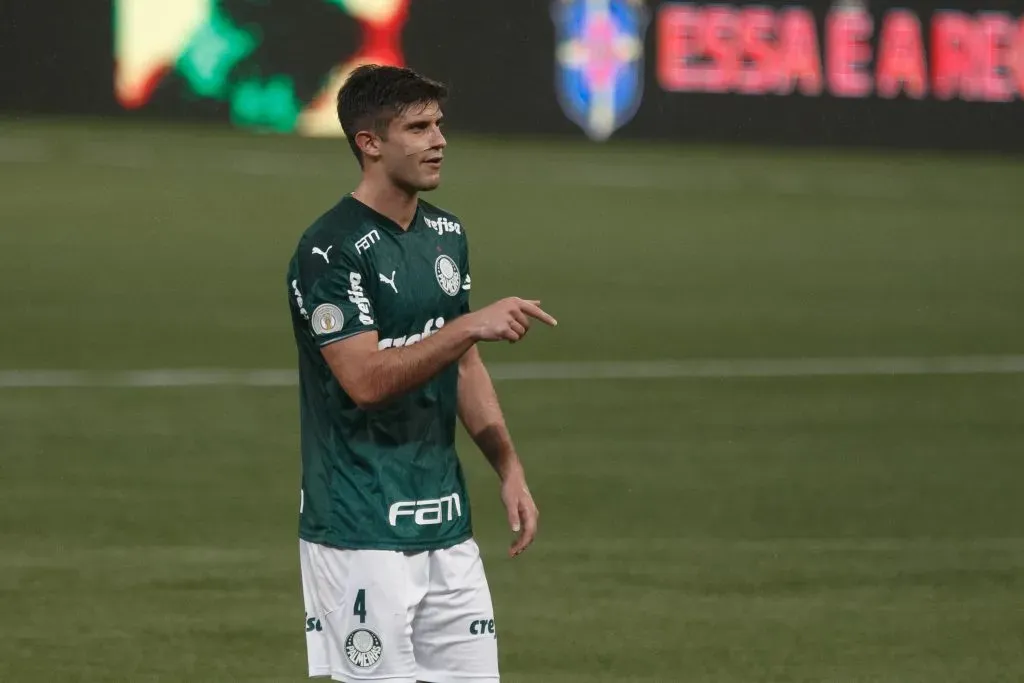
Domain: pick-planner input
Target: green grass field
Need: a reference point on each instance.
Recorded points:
(798, 529)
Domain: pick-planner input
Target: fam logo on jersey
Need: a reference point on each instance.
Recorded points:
(363, 648)
(599, 72)
(366, 241)
(426, 512)
(447, 275)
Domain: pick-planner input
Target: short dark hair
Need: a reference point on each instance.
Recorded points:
(373, 95)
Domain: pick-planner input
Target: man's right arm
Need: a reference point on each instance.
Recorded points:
(373, 377)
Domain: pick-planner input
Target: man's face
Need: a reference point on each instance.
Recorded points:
(414, 148)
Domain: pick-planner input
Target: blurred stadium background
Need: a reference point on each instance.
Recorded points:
(777, 436)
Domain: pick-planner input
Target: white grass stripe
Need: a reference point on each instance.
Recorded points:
(15, 379)
(682, 369)
(762, 367)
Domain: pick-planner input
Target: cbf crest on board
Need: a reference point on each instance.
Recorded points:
(599, 71)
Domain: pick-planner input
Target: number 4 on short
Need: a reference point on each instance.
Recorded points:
(359, 609)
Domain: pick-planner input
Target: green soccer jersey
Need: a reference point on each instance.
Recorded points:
(385, 478)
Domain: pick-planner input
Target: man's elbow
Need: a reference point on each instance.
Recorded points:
(356, 366)
(363, 392)
(366, 396)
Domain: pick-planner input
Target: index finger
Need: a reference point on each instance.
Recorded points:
(534, 311)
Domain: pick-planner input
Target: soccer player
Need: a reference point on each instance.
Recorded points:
(392, 580)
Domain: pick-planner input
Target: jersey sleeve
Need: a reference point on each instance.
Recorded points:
(337, 298)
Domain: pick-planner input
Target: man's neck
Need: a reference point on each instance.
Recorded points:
(388, 200)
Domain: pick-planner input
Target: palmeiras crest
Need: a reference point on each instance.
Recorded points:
(599, 62)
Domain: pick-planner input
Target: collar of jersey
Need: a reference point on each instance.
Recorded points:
(386, 222)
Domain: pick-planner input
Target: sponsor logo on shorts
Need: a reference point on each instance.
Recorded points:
(427, 512)
(482, 627)
(313, 624)
(363, 648)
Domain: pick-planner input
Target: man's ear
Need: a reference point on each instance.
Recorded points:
(368, 144)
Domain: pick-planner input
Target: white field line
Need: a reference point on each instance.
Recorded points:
(625, 370)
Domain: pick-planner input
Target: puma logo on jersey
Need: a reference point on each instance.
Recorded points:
(443, 225)
(396, 342)
(317, 251)
(389, 282)
(358, 297)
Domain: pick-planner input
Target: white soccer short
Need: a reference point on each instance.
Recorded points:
(381, 615)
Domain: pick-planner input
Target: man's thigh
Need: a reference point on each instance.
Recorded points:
(454, 635)
(359, 612)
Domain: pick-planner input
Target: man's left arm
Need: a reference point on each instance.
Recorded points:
(481, 415)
